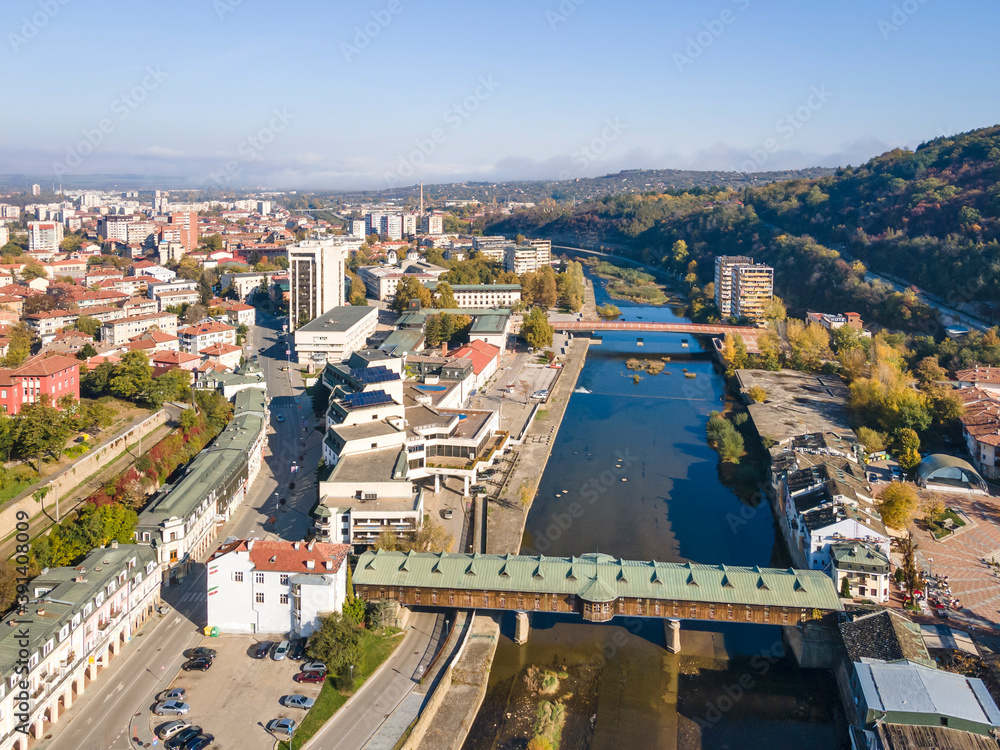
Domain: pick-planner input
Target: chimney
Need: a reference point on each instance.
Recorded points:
(114, 544)
(444, 349)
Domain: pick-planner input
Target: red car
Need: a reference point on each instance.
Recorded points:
(310, 677)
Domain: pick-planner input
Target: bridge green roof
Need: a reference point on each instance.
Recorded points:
(600, 578)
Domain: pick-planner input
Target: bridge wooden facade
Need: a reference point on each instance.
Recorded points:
(597, 587)
(695, 329)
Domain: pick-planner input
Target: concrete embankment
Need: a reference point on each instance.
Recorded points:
(451, 711)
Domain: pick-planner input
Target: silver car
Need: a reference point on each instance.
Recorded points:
(171, 728)
(280, 651)
(298, 701)
(282, 727)
(174, 708)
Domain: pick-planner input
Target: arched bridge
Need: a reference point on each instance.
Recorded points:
(595, 326)
(597, 586)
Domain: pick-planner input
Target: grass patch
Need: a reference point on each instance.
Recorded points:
(541, 414)
(937, 526)
(15, 487)
(376, 646)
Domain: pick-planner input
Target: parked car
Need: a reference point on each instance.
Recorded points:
(172, 708)
(540, 395)
(199, 665)
(872, 477)
(283, 727)
(297, 701)
(180, 739)
(200, 742)
(314, 666)
(448, 513)
(280, 417)
(280, 651)
(201, 652)
(298, 652)
(897, 474)
(176, 694)
(313, 677)
(262, 650)
(171, 728)
(478, 489)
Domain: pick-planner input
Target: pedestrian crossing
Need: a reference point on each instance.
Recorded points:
(194, 596)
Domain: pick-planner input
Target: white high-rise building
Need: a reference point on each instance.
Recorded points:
(36, 189)
(432, 224)
(391, 227)
(264, 207)
(358, 228)
(409, 224)
(4, 236)
(316, 275)
(724, 265)
(44, 235)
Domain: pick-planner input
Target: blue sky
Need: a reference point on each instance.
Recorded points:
(365, 94)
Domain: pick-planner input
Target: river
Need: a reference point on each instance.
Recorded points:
(634, 456)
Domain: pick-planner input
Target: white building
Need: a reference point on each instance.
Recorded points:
(316, 273)
(391, 227)
(483, 296)
(72, 623)
(118, 332)
(432, 224)
(279, 587)
(201, 336)
(44, 236)
(525, 258)
(358, 229)
(335, 335)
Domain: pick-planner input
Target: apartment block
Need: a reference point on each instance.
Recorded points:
(724, 265)
(753, 288)
(525, 258)
(44, 236)
(316, 270)
(118, 332)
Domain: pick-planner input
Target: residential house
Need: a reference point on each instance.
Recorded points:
(194, 338)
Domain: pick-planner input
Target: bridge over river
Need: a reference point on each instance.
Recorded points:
(597, 587)
(597, 326)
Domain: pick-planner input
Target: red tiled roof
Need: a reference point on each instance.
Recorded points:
(979, 375)
(170, 357)
(218, 350)
(479, 352)
(204, 328)
(282, 556)
(40, 366)
(93, 362)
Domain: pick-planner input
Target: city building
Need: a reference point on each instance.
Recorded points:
(118, 332)
(483, 295)
(240, 314)
(753, 288)
(260, 586)
(724, 265)
(521, 259)
(54, 376)
(76, 620)
(316, 270)
(432, 224)
(182, 519)
(202, 335)
(335, 335)
(186, 224)
(44, 236)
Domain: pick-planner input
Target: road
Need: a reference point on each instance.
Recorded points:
(100, 718)
(357, 721)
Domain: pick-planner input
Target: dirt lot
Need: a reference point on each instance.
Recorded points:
(238, 696)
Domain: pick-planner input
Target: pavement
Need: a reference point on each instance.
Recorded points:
(116, 705)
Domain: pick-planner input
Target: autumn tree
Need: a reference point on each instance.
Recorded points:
(896, 504)
(536, 329)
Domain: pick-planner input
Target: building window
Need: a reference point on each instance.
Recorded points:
(260, 597)
(238, 576)
(283, 580)
(284, 598)
(258, 577)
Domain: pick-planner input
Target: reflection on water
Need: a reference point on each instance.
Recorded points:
(632, 476)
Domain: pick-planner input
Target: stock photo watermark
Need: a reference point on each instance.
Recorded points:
(252, 147)
(363, 35)
(122, 106)
(455, 116)
(561, 13)
(713, 29)
(33, 24)
(900, 16)
(224, 7)
(787, 126)
(587, 153)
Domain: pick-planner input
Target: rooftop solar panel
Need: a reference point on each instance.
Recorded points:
(372, 398)
(369, 375)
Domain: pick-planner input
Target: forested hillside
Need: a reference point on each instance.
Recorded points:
(931, 216)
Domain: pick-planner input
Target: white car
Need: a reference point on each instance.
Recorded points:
(171, 728)
(174, 708)
(314, 666)
(280, 651)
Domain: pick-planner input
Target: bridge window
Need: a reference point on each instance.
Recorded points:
(656, 609)
(434, 597)
(605, 608)
(748, 613)
(416, 597)
(486, 600)
(451, 598)
(621, 607)
(784, 615)
(694, 610)
(381, 593)
(538, 603)
(767, 614)
(711, 611)
(555, 603)
(638, 608)
(520, 602)
(503, 600)
(729, 612)
(468, 599)
(677, 609)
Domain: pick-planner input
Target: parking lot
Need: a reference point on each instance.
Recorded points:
(238, 696)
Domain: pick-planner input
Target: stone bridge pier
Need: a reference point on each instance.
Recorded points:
(522, 628)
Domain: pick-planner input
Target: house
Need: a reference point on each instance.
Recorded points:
(260, 586)
(864, 567)
(981, 429)
(48, 323)
(160, 340)
(202, 335)
(984, 378)
(176, 297)
(118, 332)
(54, 376)
(483, 295)
(485, 359)
(240, 313)
(169, 359)
(74, 622)
(226, 355)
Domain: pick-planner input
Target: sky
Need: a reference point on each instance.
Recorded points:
(376, 94)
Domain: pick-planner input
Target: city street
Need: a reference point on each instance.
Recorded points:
(105, 716)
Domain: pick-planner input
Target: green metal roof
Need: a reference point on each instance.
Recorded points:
(859, 557)
(600, 578)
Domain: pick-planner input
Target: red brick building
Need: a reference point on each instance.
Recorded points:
(53, 376)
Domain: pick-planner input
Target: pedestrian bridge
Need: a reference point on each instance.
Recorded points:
(597, 587)
(597, 326)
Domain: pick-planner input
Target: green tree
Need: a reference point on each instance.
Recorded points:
(33, 270)
(19, 349)
(86, 351)
(337, 643)
(8, 585)
(536, 329)
(189, 418)
(88, 325)
(410, 288)
(896, 504)
(132, 376)
(908, 448)
(445, 296)
(872, 440)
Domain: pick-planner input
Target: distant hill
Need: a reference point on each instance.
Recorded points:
(932, 216)
(583, 188)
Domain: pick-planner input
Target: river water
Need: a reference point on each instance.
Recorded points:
(634, 456)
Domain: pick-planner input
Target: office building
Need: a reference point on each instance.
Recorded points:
(525, 258)
(316, 271)
(335, 335)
